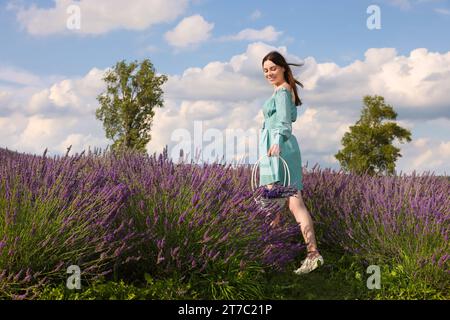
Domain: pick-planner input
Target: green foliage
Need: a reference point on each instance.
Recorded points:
(153, 289)
(398, 284)
(342, 277)
(228, 283)
(133, 90)
(234, 285)
(368, 146)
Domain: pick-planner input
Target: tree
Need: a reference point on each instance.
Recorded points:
(126, 107)
(368, 146)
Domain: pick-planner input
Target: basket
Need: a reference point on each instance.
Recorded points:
(265, 202)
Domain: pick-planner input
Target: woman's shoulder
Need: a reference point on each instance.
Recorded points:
(285, 87)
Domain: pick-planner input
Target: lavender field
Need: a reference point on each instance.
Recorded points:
(130, 217)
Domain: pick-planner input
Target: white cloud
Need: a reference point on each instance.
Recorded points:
(10, 127)
(69, 95)
(38, 101)
(241, 78)
(190, 31)
(418, 85)
(228, 95)
(61, 94)
(80, 142)
(41, 132)
(33, 134)
(100, 16)
(426, 154)
(267, 34)
(16, 76)
(4, 96)
(332, 97)
(53, 116)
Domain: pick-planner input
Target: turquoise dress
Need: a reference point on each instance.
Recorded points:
(279, 113)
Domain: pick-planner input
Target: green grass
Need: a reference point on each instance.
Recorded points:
(341, 277)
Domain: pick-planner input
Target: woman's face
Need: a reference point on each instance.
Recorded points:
(273, 73)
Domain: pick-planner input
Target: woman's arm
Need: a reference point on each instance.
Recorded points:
(283, 123)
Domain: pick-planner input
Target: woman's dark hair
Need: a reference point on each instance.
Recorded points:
(279, 60)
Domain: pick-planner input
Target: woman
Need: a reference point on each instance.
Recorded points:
(276, 139)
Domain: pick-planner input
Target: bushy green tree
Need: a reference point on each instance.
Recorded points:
(127, 106)
(368, 148)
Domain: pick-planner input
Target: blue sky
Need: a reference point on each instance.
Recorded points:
(47, 71)
(328, 30)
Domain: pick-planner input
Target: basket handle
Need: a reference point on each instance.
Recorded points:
(285, 167)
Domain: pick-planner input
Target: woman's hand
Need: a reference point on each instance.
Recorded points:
(274, 150)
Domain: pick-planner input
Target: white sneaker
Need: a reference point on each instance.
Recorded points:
(310, 264)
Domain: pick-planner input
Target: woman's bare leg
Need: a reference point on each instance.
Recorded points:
(302, 216)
